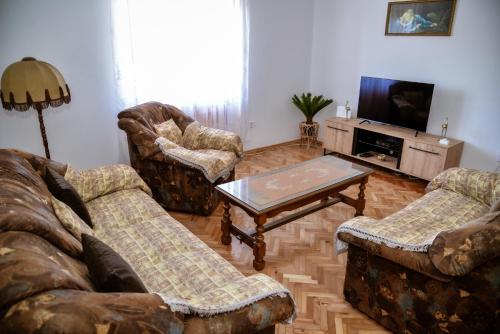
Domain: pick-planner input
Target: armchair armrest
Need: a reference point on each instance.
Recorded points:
(92, 183)
(459, 251)
(73, 311)
(197, 136)
(482, 186)
(142, 136)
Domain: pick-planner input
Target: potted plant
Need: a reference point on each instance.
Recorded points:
(310, 105)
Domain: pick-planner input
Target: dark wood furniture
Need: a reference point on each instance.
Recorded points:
(266, 195)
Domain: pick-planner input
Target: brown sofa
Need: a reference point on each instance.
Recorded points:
(176, 184)
(452, 283)
(45, 285)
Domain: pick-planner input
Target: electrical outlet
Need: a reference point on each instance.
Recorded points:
(251, 124)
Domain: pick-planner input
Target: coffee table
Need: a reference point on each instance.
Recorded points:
(266, 195)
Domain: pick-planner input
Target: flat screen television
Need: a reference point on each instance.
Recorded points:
(402, 103)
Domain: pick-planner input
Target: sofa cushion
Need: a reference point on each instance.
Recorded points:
(25, 204)
(169, 130)
(70, 220)
(415, 227)
(212, 163)
(29, 265)
(199, 137)
(107, 269)
(92, 183)
(173, 262)
(64, 191)
(479, 185)
(457, 252)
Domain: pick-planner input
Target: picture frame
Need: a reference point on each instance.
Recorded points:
(420, 18)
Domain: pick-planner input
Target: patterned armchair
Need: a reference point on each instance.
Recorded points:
(433, 267)
(182, 161)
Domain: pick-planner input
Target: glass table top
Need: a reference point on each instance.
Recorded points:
(269, 189)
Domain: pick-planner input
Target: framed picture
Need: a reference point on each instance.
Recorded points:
(420, 18)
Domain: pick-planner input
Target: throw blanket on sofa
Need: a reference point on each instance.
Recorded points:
(415, 227)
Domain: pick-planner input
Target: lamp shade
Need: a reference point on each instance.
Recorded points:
(33, 83)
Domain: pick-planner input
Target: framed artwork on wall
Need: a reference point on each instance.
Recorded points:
(420, 18)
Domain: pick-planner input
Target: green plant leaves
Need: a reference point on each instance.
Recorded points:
(310, 105)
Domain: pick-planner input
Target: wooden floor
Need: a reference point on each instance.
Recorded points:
(301, 254)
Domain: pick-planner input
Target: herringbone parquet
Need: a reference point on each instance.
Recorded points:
(301, 254)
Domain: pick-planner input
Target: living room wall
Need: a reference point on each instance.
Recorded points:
(75, 36)
(349, 42)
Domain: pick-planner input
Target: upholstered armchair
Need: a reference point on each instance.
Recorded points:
(433, 267)
(181, 160)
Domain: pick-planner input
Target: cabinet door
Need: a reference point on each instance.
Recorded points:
(422, 160)
(338, 138)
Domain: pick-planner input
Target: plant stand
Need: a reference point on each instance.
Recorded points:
(308, 133)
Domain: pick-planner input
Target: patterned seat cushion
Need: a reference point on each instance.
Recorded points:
(415, 227)
(173, 262)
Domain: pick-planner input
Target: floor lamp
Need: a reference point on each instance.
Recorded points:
(33, 83)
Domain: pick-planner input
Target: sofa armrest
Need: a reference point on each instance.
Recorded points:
(39, 163)
(198, 137)
(96, 182)
(73, 311)
(249, 319)
(484, 187)
(458, 252)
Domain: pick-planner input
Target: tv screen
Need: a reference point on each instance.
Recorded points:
(401, 103)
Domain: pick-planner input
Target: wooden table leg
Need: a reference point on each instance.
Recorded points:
(360, 202)
(259, 247)
(226, 224)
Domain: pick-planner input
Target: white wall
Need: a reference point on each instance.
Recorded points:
(75, 37)
(349, 42)
(279, 66)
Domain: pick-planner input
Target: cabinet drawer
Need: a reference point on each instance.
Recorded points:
(338, 137)
(422, 160)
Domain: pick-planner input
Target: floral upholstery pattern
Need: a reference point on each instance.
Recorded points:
(457, 252)
(481, 186)
(70, 220)
(169, 130)
(171, 261)
(92, 183)
(405, 301)
(214, 164)
(199, 137)
(415, 227)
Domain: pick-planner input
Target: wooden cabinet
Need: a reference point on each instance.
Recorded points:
(338, 137)
(422, 160)
(422, 155)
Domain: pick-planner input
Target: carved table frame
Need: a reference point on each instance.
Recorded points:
(255, 238)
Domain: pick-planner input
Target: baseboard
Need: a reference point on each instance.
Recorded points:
(274, 146)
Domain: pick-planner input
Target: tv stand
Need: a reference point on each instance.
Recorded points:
(406, 151)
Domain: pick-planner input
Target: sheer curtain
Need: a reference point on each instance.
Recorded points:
(188, 53)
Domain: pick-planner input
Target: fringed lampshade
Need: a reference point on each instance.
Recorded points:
(33, 83)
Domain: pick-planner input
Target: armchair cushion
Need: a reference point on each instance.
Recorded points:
(169, 130)
(199, 137)
(415, 227)
(457, 252)
(70, 220)
(213, 163)
(92, 183)
(482, 186)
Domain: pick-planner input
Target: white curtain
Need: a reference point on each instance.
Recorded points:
(188, 53)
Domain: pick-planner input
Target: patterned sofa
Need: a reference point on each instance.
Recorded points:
(182, 174)
(45, 285)
(433, 267)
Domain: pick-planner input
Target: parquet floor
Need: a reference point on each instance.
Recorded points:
(301, 254)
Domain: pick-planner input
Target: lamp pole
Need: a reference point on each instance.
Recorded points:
(42, 130)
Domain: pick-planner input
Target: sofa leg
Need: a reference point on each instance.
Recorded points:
(268, 330)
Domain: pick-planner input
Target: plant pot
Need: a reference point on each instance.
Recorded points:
(309, 133)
